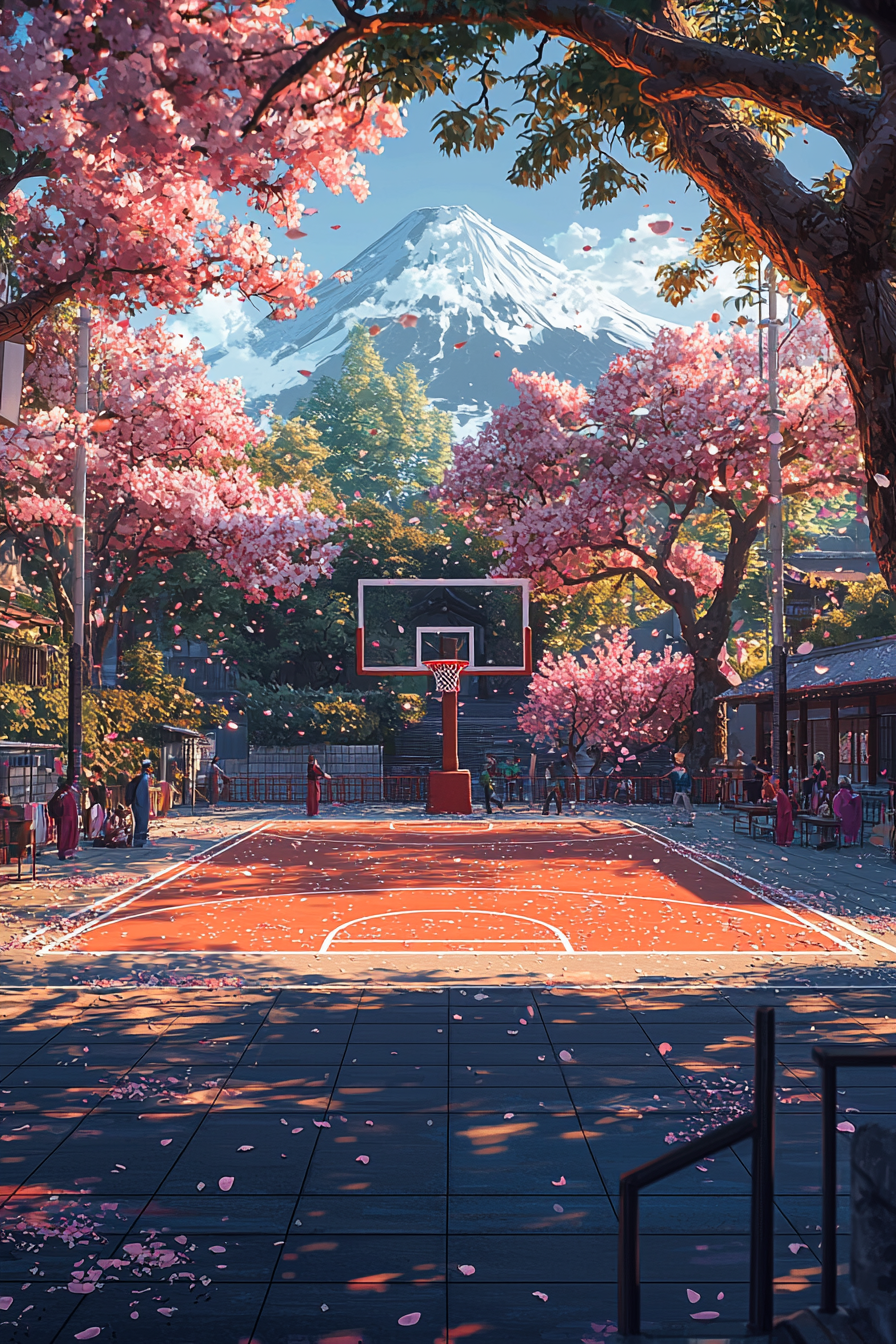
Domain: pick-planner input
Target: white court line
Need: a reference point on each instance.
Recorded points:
(107, 920)
(138, 889)
(701, 863)
(447, 910)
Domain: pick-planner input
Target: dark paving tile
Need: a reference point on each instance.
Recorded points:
(558, 1213)
(670, 1214)
(297, 1079)
(304, 1033)
(654, 1078)
(275, 1163)
(207, 1213)
(361, 1261)
(502, 1099)
(512, 1312)
(223, 1312)
(382, 1100)
(642, 1055)
(498, 1033)
(595, 1033)
(525, 1155)
(49, 1078)
(394, 1075)
(366, 1054)
(673, 1101)
(222, 1255)
(675, 1259)
(96, 1055)
(506, 1075)
(399, 1033)
(337, 1214)
(37, 1314)
(299, 1313)
(515, 1053)
(307, 1055)
(586, 1258)
(115, 1154)
(163, 1053)
(408, 1155)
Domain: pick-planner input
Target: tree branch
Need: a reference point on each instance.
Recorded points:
(17, 319)
(675, 66)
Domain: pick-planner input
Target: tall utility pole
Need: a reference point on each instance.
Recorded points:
(776, 543)
(79, 508)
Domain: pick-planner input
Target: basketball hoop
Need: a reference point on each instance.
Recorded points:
(447, 673)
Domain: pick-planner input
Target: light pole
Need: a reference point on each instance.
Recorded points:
(79, 508)
(776, 544)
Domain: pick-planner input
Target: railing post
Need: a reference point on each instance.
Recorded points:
(828, 1187)
(762, 1204)
(628, 1287)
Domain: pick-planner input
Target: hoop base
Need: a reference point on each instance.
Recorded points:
(450, 791)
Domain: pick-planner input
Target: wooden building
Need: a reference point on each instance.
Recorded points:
(840, 701)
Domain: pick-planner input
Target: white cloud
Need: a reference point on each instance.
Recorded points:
(627, 266)
(215, 321)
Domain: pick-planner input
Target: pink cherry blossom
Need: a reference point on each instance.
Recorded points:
(128, 126)
(171, 475)
(613, 698)
(575, 486)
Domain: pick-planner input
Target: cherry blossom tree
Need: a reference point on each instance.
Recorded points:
(576, 486)
(167, 473)
(615, 699)
(125, 123)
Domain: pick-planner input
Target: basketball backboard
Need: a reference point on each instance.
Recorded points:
(403, 623)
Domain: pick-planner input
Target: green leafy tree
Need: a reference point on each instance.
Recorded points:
(865, 610)
(121, 725)
(382, 437)
(715, 89)
(282, 716)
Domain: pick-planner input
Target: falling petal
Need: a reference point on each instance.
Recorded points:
(805, 647)
(566, 1056)
(362, 1157)
(467, 1269)
(407, 320)
(882, 480)
(665, 1048)
(660, 226)
(558, 1208)
(5, 1303)
(562, 1181)
(411, 1319)
(704, 1315)
(796, 1246)
(692, 1295)
(374, 330)
(306, 373)
(847, 1127)
(543, 1296)
(459, 345)
(225, 1183)
(295, 233)
(90, 1333)
(246, 1148)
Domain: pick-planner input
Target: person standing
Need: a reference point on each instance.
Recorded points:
(784, 815)
(752, 781)
(552, 790)
(819, 787)
(96, 791)
(847, 806)
(63, 808)
(137, 798)
(487, 780)
(315, 775)
(216, 780)
(682, 784)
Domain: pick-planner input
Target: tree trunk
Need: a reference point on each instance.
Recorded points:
(708, 683)
(861, 313)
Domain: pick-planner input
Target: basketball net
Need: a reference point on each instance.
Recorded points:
(447, 673)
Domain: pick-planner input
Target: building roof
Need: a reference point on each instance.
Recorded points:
(845, 566)
(824, 670)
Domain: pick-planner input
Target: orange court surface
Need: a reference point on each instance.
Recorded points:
(440, 886)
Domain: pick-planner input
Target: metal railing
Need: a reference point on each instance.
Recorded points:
(338, 789)
(831, 1058)
(760, 1125)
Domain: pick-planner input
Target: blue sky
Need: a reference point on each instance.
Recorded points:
(412, 172)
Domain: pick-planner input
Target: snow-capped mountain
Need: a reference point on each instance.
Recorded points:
(465, 281)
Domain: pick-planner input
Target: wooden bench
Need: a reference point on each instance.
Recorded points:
(746, 812)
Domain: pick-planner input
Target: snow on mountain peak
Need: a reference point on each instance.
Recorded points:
(466, 281)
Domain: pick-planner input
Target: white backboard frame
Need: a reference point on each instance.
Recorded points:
(523, 585)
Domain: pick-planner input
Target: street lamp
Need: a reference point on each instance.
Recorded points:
(776, 543)
(79, 509)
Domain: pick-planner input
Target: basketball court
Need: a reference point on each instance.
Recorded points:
(433, 886)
